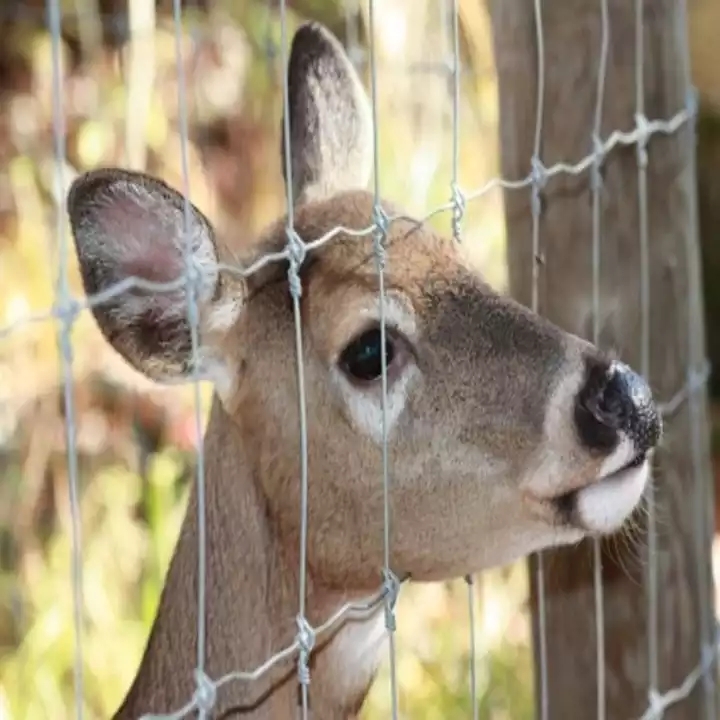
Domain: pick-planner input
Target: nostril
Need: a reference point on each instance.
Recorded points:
(600, 408)
(612, 405)
(616, 401)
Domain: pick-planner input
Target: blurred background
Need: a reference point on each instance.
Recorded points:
(136, 441)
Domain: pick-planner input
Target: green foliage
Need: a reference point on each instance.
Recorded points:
(123, 565)
(433, 653)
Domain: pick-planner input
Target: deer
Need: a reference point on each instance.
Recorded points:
(506, 435)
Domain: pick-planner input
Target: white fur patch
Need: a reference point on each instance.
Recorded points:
(224, 315)
(356, 653)
(621, 456)
(560, 454)
(398, 313)
(366, 409)
(223, 379)
(604, 506)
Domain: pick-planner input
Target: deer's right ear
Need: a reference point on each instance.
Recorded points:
(330, 118)
(128, 225)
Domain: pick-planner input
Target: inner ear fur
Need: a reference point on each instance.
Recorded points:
(131, 226)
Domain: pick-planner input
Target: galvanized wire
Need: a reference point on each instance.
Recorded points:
(457, 199)
(596, 187)
(642, 162)
(380, 229)
(296, 254)
(538, 179)
(201, 689)
(63, 299)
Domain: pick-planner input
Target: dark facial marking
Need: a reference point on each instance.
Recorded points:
(516, 354)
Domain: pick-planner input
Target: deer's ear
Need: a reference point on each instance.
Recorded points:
(330, 118)
(127, 225)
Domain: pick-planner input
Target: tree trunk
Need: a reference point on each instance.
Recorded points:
(572, 34)
(709, 217)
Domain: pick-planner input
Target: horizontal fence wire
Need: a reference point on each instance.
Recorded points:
(71, 307)
(66, 309)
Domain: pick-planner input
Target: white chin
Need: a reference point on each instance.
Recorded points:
(603, 507)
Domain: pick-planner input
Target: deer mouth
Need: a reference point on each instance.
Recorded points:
(603, 506)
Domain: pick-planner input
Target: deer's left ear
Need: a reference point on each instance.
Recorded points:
(128, 225)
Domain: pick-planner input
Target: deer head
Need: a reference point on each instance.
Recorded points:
(506, 434)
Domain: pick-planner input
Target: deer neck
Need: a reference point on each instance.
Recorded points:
(251, 601)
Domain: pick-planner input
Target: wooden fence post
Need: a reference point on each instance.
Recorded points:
(572, 32)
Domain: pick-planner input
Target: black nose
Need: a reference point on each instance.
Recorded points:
(616, 401)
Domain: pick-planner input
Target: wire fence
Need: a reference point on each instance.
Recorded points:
(66, 309)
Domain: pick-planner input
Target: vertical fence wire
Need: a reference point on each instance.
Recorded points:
(204, 693)
(538, 176)
(596, 186)
(380, 221)
(644, 250)
(456, 66)
(458, 209)
(67, 312)
(704, 486)
(296, 250)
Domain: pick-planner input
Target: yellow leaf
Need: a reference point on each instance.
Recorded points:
(93, 142)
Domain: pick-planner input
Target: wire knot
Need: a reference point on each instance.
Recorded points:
(655, 702)
(205, 692)
(458, 200)
(381, 224)
(306, 641)
(642, 128)
(193, 275)
(193, 284)
(598, 149)
(538, 173)
(391, 590)
(67, 311)
(303, 672)
(381, 221)
(297, 251)
(538, 178)
(305, 635)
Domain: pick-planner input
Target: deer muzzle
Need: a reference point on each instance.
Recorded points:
(618, 422)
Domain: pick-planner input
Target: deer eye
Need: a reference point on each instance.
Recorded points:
(361, 360)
